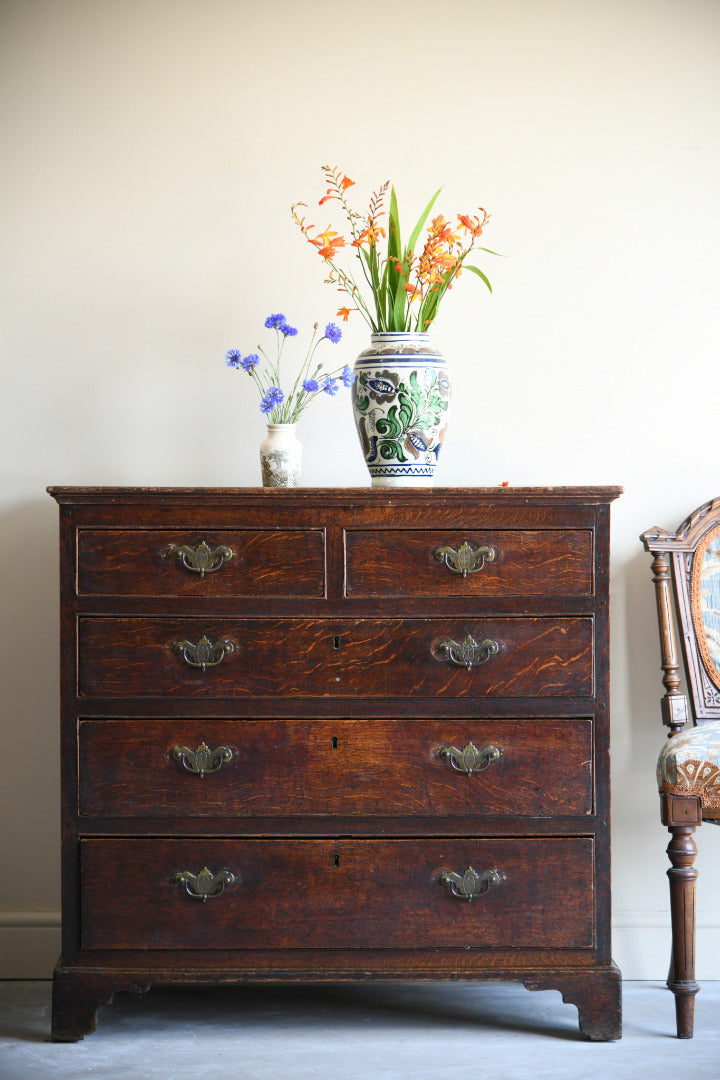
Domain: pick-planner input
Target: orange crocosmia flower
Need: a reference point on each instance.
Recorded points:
(344, 312)
(412, 292)
(327, 242)
(328, 251)
(362, 238)
(346, 182)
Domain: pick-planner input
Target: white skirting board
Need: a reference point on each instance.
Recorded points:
(30, 944)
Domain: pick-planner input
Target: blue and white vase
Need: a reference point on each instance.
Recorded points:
(401, 398)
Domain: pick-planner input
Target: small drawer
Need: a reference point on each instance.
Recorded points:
(498, 656)
(158, 893)
(468, 562)
(349, 768)
(187, 562)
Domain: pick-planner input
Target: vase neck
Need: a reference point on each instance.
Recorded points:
(400, 335)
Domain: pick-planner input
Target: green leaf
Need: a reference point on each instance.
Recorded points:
(395, 280)
(475, 270)
(421, 221)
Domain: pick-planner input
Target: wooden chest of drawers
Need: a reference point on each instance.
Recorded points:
(335, 734)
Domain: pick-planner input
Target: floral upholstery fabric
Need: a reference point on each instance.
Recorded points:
(706, 602)
(689, 764)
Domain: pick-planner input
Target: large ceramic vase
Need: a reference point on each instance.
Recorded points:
(281, 456)
(401, 397)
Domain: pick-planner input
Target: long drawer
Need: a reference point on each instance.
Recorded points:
(508, 656)
(256, 768)
(267, 563)
(275, 894)
(466, 562)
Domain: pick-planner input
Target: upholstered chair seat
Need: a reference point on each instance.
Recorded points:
(689, 765)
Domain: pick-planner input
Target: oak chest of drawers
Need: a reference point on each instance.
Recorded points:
(335, 734)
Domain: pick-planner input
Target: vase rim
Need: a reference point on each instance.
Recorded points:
(400, 333)
(276, 426)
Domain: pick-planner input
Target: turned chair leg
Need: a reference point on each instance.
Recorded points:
(683, 875)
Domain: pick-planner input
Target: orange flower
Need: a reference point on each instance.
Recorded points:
(474, 225)
(344, 312)
(337, 188)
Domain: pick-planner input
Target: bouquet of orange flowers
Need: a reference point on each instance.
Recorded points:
(405, 285)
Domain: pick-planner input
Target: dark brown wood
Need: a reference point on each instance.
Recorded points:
(525, 562)
(264, 563)
(681, 811)
(334, 810)
(377, 768)
(336, 893)
(683, 875)
(136, 657)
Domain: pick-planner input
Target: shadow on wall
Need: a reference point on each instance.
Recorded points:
(29, 773)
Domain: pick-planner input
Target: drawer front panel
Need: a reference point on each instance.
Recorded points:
(336, 893)
(223, 563)
(139, 657)
(347, 768)
(499, 563)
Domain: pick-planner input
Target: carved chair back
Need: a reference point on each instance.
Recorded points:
(688, 563)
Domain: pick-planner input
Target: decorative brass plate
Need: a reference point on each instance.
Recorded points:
(205, 653)
(465, 559)
(205, 885)
(468, 653)
(470, 759)
(470, 884)
(202, 559)
(202, 761)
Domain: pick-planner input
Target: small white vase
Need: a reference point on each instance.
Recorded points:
(281, 456)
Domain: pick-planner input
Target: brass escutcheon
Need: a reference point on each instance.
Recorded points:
(205, 885)
(205, 653)
(470, 759)
(202, 761)
(470, 884)
(201, 559)
(468, 653)
(465, 559)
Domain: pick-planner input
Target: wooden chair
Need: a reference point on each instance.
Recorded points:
(686, 572)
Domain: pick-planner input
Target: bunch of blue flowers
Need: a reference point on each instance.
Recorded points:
(278, 406)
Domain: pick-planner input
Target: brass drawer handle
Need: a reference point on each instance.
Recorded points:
(470, 884)
(202, 761)
(205, 885)
(202, 559)
(470, 759)
(465, 559)
(205, 653)
(468, 653)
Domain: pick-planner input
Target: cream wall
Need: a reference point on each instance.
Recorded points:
(151, 150)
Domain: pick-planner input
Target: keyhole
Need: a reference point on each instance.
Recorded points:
(336, 860)
(334, 742)
(336, 641)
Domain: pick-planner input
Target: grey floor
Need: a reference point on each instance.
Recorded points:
(424, 1031)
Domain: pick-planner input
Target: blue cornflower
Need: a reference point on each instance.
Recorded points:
(273, 397)
(311, 385)
(233, 358)
(275, 322)
(347, 376)
(333, 333)
(287, 329)
(250, 363)
(330, 386)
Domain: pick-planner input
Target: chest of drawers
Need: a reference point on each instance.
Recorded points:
(335, 734)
